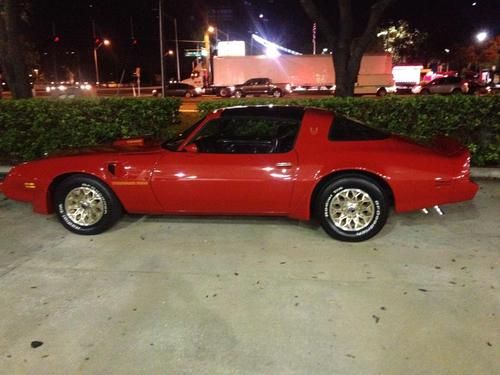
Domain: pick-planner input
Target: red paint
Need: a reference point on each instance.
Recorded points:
(151, 180)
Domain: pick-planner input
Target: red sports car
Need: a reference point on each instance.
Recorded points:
(263, 160)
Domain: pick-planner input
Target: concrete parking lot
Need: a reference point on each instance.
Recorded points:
(176, 295)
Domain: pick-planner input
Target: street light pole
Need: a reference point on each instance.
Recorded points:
(162, 61)
(106, 42)
(96, 67)
(177, 51)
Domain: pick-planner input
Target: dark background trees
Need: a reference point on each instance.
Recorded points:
(14, 47)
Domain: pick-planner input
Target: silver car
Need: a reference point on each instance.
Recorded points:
(444, 85)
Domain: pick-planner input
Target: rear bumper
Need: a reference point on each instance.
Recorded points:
(428, 194)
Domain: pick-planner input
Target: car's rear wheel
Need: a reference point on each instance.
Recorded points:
(85, 205)
(457, 92)
(238, 94)
(425, 92)
(381, 92)
(352, 209)
(224, 92)
(188, 94)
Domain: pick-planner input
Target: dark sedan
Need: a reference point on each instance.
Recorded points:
(182, 89)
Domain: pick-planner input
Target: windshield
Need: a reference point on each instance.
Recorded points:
(173, 143)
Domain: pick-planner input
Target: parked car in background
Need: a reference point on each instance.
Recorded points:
(182, 89)
(443, 85)
(477, 87)
(261, 86)
(289, 161)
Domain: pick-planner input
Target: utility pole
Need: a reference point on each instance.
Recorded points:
(177, 51)
(162, 61)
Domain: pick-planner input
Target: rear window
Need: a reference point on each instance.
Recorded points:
(346, 129)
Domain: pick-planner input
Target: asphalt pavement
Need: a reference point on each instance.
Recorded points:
(191, 295)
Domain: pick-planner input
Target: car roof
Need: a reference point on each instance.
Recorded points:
(289, 112)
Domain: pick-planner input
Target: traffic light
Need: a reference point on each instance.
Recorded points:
(97, 41)
(135, 41)
(56, 39)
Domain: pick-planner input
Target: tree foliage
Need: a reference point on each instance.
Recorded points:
(402, 41)
(348, 44)
(481, 55)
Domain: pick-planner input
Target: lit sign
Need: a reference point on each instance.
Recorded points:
(231, 48)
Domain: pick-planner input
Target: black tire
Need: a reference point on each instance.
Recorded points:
(381, 92)
(239, 94)
(188, 94)
(224, 92)
(370, 207)
(425, 92)
(277, 93)
(102, 212)
(456, 92)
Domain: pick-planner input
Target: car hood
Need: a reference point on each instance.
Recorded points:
(131, 145)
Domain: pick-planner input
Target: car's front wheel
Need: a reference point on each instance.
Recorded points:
(85, 205)
(352, 209)
(238, 94)
(277, 93)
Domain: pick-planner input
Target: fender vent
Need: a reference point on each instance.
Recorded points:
(112, 168)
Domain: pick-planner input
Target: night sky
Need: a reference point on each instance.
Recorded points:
(450, 23)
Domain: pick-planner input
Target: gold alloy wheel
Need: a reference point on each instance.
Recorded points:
(84, 206)
(351, 210)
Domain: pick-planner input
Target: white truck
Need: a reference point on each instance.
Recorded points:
(304, 73)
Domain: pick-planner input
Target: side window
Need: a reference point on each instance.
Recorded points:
(247, 135)
(347, 129)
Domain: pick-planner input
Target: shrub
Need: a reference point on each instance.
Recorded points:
(472, 120)
(30, 128)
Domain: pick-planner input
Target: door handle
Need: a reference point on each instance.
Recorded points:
(285, 164)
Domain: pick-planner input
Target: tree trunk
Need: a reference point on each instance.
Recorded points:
(12, 58)
(347, 50)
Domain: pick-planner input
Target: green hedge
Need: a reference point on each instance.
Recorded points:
(472, 120)
(30, 128)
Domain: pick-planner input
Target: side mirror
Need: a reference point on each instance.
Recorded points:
(191, 148)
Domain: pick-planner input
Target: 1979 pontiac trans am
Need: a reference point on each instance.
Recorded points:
(263, 160)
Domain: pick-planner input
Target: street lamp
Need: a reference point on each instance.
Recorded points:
(481, 36)
(216, 30)
(106, 43)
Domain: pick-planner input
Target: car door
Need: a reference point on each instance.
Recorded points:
(253, 87)
(261, 86)
(180, 89)
(443, 86)
(169, 90)
(237, 169)
(434, 86)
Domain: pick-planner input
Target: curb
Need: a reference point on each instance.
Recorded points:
(476, 173)
(485, 173)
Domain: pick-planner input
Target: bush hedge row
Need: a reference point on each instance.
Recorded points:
(30, 128)
(472, 120)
